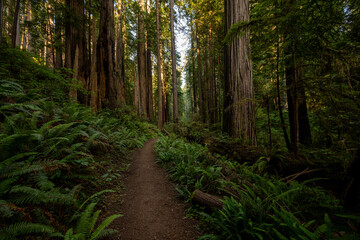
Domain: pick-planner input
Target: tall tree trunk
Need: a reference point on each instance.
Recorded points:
(18, 32)
(94, 98)
(199, 71)
(1, 20)
(150, 102)
(136, 91)
(120, 57)
(192, 57)
(304, 125)
(73, 91)
(195, 104)
(142, 59)
(292, 96)
(173, 59)
(212, 107)
(105, 55)
(206, 83)
(15, 25)
(159, 67)
(68, 36)
(29, 46)
(288, 145)
(58, 37)
(49, 56)
(239, 105)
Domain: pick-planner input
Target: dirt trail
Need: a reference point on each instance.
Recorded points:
(151, 210)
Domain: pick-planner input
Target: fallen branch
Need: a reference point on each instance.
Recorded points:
(296, 175)
(166, 132)
(207, 200)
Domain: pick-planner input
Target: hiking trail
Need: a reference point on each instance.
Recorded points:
(150, 207)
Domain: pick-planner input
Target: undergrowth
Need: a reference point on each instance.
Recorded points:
(50, 153)
(254, 206)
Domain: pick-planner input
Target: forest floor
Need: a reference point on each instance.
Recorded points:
(149, 203)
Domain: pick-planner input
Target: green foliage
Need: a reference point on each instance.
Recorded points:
(85, 229)
(51, 149)
(255, 207)
(22, 229)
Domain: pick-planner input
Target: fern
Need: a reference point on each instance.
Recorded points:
(83, 226)
(96, 195)
(104, 225)
(22, 170)
(106, 233)
(86, 224)
(24, 229)
(35, 196)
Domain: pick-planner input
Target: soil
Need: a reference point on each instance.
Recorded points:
(150, 206)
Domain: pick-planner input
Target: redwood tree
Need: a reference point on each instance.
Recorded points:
(239, 105)
(159, 67)
(142, 59)
(173, 59)
(105, 54)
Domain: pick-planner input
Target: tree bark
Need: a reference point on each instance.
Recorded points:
(239, 105)
(159, 67)
(292, 97)
(173, 60)
(1, 20)
(15, 25)
(105, 55)
(136, 91)
(150, 101)
(58, 41)
(142, 59)
(120, 56)
(29, 46)
(199, 72)
(68, 37)
(94, 98)
(211, 98)
(192, 58)
(73, 91)
(304, 125)
(286, 137)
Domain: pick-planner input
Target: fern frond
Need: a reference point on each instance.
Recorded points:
(5, 210)
(5, 185)
(106, 233)
(46, 126)
(94, 219)
(15, 158)
(24, 169)
(43, 182)
(35, 196)
(96, 195)
(85, 219)
(10, 89)
(23, 229)
(103, 225)
(59, 129)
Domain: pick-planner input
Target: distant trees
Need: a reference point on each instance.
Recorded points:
(303, 66)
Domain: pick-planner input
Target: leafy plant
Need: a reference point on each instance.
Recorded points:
(85, 228)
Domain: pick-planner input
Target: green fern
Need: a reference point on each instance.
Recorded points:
(24, 229)
(86, 224)
(29, 195)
